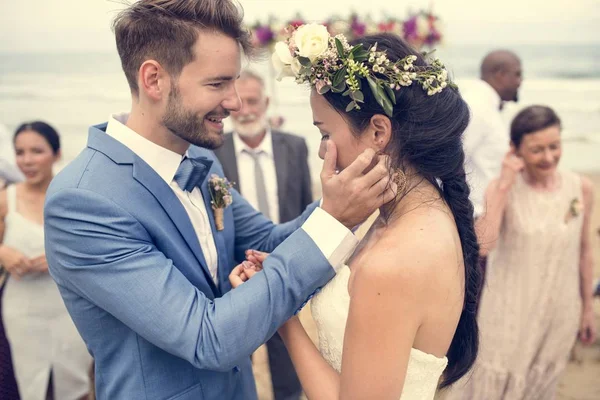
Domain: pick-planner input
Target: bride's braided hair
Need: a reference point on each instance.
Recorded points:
(428, 137)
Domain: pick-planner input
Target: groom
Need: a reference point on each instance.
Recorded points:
(131, 238)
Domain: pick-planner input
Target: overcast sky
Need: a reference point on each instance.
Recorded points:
(84, 25)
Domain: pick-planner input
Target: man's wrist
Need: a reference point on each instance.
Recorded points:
(331, 211)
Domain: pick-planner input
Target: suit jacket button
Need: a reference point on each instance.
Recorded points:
(236, 369)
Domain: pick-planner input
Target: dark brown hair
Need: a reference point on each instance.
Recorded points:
(532, 119)
(44, 130)
(166, 30)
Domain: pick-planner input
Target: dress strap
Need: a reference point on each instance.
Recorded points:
(11, 198)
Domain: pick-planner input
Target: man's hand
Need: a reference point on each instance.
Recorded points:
(356, 192)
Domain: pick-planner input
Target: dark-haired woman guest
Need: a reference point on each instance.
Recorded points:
(538, 293)
(46, 348)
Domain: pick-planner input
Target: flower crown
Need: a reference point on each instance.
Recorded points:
(311, 55)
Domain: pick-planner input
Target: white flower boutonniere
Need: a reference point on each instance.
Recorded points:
(220, 198)
(575, 208)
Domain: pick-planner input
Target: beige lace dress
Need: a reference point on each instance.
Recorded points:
(530, 308)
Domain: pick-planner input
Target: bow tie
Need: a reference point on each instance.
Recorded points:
(192, 172)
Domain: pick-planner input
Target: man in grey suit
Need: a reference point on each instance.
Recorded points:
(270, 169)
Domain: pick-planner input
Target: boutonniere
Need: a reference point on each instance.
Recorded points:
(575, 208)
(220, 198)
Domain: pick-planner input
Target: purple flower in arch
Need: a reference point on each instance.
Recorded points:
(264, 35)
(410, 28)
(358, 28)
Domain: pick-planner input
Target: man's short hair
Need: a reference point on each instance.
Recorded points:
(166, 30)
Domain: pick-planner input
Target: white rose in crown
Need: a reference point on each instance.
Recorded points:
(284, 63)
(312, 40)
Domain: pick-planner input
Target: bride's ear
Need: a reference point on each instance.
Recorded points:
(380, 131)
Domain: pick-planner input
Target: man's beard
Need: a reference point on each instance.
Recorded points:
(189, 126)
(250, 126)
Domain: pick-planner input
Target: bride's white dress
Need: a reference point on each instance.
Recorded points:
(330, 311)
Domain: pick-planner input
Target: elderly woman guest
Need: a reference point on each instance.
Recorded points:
(539, 291)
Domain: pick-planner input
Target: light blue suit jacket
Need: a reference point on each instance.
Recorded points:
(132, 274)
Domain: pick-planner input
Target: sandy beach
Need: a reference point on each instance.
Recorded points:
(581, 379)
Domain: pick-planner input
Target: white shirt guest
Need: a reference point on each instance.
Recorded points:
(486, 139)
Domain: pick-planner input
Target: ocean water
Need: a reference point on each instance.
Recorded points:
(74, 91)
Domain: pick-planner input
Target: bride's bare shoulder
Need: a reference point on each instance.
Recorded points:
(419, 252)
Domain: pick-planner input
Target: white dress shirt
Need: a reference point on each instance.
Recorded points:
(165, 163)
(335, 241)
(486, 141)
(245, 166)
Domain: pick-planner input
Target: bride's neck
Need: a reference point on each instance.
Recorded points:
(418, 192)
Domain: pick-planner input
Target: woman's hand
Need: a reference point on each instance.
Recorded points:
(15, 262)
(256, 257)
(242, 273)
(39, 264)
(247, 269)
(511, 166)
(587, 328)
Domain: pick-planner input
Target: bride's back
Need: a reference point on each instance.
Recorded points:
(421, 242)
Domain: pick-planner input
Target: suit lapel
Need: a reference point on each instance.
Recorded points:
(229, 161)
(147, 177)
(280, 156)
(173, 207)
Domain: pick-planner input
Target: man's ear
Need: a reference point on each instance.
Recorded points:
(153, 80)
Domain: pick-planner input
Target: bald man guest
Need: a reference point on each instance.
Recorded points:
(486, 139)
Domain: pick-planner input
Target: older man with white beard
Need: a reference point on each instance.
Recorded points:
(270, 169)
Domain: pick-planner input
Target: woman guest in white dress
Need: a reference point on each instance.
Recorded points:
(539, 286)
(46, 348)
(402, 313)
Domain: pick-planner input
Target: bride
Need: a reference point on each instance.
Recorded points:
(399, 321)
